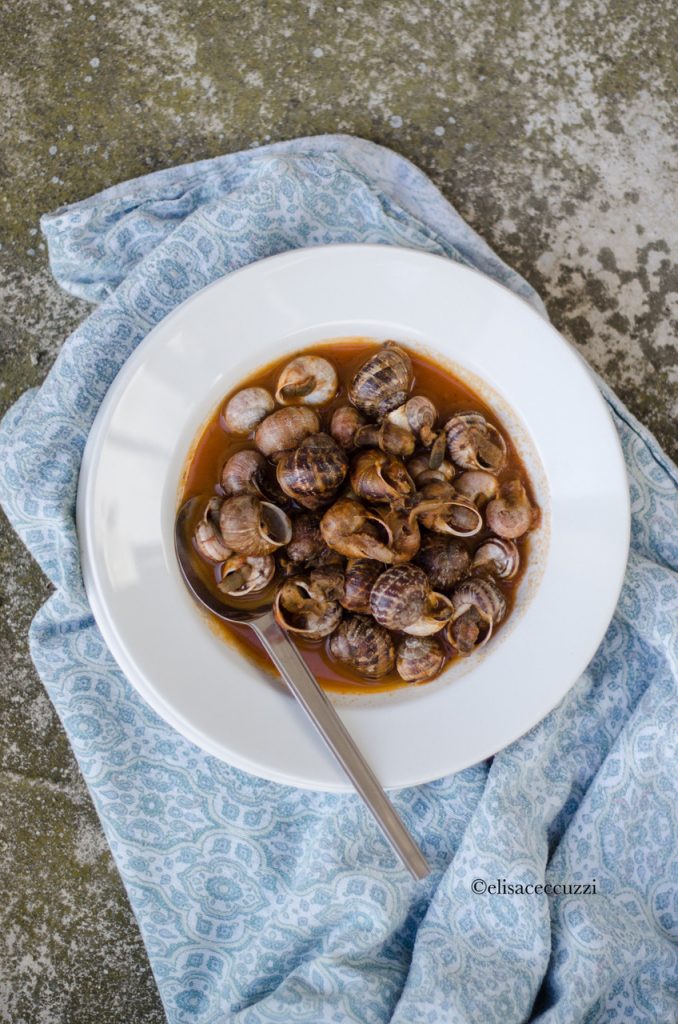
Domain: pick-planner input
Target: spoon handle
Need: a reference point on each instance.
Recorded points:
(322, 714)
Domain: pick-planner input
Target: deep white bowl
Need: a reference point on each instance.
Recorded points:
(529, 375)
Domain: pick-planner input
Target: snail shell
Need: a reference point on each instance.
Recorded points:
(364, 645)
(306, 543)
(253, 527)
(346, 420)
(478, 607)
(405, 535)
(419, 658)
(308, 379)
(207, 537)
(444, 560)
(246, 409)
(355, 532)
(307, 606)
(477, 485)
(243, 575)
(313, 473)
(378, 477)
(388, 436)
(402, 599)
(438, 449)
(243, 472)
(383, 381)
(511, 515)
(421, 471)
(398, 597)
(419, 415)
(473, 443)
(497, 556)
(285, 429)
(359, 578)
(442, 510)
(436, 615)
(307, 548)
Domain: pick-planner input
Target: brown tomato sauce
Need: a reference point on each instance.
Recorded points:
(216, 444)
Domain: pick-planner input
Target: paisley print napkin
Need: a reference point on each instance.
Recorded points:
(260, 903)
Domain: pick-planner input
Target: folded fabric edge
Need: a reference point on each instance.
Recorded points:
(661, 457)
(134, 188)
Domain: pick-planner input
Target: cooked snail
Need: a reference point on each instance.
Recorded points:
(207, 537)
(497, 556)
(388, 436)
(442, 510)
(314, 471)
(308, 605)
(345, 422)
(405, 534)
(242, 575)
(473, 443)
(360, 576)
(250, 526)
(356, 532)
(478, 606)
(398, 596)
(247, 409)
(511, 515)
(364, 645)
(377, 477)
(402, 599)
(438, 450)
(284, 429)
(444, 560)
(419, 658)
(420, 469)
(306, 544)
(477, 485)
(308, 379)
(436, 615)
(418, 415)
(243, 473)
(383, 381)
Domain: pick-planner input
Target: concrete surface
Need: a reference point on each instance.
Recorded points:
(550, 125)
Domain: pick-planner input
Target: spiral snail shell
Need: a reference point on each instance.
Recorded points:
(377, 477)
(246, 409)
(285, 429)
(360, 576)
(313, 472)
(308, 379)
(419, 658)
(498, 556)
(207, 536)
(478, 606)
(510, 515)
(364, 645)
(382, 382)
(250, 526)
(308, 605)
(473, 443)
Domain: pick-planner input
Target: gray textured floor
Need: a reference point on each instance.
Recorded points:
(551, 127)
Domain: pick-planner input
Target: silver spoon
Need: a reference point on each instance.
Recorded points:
(303, 685)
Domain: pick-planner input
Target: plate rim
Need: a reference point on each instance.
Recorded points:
(97, 437)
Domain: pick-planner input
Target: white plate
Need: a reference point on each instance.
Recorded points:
(543, 393)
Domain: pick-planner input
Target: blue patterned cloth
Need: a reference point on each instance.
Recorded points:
(260, 903)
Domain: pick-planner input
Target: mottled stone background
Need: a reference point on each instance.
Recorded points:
(552, 128)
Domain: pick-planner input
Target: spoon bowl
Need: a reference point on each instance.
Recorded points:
(199, 589)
